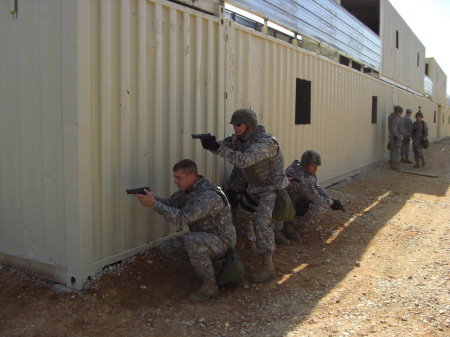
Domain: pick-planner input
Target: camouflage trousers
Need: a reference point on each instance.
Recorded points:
(395, 150)
(405, 147)
(258, 226)
(198, 248)
(300, 222)
(418, 150)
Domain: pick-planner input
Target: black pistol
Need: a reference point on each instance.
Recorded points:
(139, 190)
(200, 135)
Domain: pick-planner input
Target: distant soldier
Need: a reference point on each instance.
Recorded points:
(259, 158)
(307, 196)
(395, 126)
(407, 129)
(419, 135)
(204, 208)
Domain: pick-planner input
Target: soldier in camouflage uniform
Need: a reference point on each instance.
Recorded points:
(407, 129)
(307, 196)
(419, 134)
(396, 135)
(204, 208)
(258, 157)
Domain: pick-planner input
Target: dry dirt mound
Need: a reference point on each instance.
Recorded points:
(380, 269)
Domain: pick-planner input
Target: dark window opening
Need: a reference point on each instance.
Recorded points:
(417, 59)
(366, 11)
(374, 109)
(302, 101)
(356, 66)
(279, 35)
(396, 39)
(242, 20)
(344, 60)
(434, 116)
(426, 69)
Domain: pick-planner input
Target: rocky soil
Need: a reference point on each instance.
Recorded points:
(379, 269)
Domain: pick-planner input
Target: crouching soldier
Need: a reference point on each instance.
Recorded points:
(307, 196)
(204, 208)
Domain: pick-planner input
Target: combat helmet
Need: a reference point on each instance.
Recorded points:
(310, 157)
(245, 116)
(419, 114)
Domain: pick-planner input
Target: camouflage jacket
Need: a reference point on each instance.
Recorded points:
(419, 130)
(395, 126)
(306, 189)
(203, 208)
(258, 157)
(407, 126)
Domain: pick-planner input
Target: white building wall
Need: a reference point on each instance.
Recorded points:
(403, 62)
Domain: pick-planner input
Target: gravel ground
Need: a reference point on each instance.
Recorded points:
(379, 269)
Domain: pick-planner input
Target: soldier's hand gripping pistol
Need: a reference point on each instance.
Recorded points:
(208, 141)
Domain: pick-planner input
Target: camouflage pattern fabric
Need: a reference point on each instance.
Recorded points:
(306, 189)
(259, 161)
(396, 135)
(407, 128)
(419, 133)
(205, 210)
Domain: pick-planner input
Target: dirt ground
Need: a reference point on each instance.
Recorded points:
(379, 269)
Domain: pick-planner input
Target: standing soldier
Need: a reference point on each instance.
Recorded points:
(395, 126)
(204, 208)
(419, 135)
(407, 129)
(258, 156)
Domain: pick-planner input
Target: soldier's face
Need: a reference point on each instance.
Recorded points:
(182, 180)
(240, 128)
(311, 169)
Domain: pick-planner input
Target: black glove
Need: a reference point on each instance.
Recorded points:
(395, 138)
(233, 197)
(210, 143)
(336, 206)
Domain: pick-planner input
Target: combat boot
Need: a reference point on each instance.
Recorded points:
(402, 159)
(423, 162)
(249, 249)
(208, 289)
(280, 239)
(290, 232)
(407, 160)
(417, 165)
(266, 272)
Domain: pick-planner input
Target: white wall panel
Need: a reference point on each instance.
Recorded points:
(340, 129)
(400, 64)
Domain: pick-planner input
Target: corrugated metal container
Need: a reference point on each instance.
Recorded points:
(100, 96)
(341, 103)
(403, 59)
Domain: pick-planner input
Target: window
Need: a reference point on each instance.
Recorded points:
(302, 102)
(356, 65)
(344, 60)
(374, 109)
(434, 116)
(396, 39)
(418, 59)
